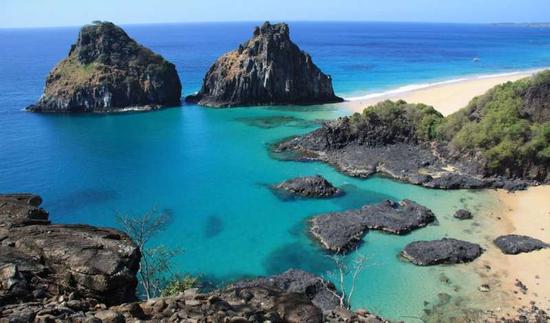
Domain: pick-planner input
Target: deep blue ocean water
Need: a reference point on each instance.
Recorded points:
(210, 168)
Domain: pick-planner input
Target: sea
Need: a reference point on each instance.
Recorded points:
(211, 169)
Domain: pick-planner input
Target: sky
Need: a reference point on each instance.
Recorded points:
(50, 13)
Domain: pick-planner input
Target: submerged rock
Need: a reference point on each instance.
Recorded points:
(309, 186)
(444, 251)
(342, 231)
(463, 214)
(513, 244)
(107, 71)
(269, 69)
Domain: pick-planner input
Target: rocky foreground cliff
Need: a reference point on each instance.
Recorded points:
(108, 71)
(80, 273)
(500, 140)
(269, 69)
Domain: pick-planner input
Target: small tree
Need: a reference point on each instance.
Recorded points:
(155, 261)
(341, 272)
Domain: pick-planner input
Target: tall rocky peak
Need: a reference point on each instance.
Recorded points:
(269, 69)
(108, 71)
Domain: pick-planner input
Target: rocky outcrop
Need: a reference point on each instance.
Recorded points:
(513, 244)
(107, 71)
(463, 214)
(269, 69)
(398, 140)
(309, 186)
(342, 231)
(321, 293)
(39, 260)
(444, 251)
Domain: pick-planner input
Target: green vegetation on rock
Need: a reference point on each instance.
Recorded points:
(509, 126)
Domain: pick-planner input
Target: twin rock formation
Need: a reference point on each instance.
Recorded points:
(107, 71)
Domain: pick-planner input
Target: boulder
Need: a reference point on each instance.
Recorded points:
(269, 69)
(463, 214)
(309, 186)
(343, 231)
(107, 71)
(444, 251)
(513, 244)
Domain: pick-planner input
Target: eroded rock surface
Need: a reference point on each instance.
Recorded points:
(444, 251)
(38, 259)
(309, 186)
(107, 71)
(342, 231)
(513, 244)
(269, 69)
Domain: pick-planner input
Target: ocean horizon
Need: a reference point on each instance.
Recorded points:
(211, 169)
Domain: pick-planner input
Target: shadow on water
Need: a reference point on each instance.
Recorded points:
(269, 122)
(213, 226)
(81, 198)
(299, 256)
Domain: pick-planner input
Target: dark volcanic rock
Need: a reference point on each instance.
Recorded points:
(512, 244)
(108, 71)
(342, 231)
(41, 259)
(463, 214)
(269, 69)
(320, 292)
(391, 139)
(309, 186)
(444, 251)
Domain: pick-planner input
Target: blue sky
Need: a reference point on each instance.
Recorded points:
(34, 13)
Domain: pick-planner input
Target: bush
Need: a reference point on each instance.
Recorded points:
(179, 284)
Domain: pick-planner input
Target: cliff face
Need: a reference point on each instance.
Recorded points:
(268, 69)
(108, 71)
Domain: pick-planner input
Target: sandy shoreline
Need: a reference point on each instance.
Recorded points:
(446, 97)
(527, 213)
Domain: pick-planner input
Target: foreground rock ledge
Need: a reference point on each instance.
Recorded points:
(513, 244)
(78, 273)
(269, 69)
(343, 231)
(107, 71)
(444, 251)
(309, 186)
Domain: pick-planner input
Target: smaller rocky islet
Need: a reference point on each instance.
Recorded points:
(308, 187)
(341, 232)
(444, 251)
(513, 244)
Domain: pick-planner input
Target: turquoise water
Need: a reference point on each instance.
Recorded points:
(210, 168)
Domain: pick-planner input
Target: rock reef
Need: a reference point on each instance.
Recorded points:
(309, 186)
(107, 71)
(269, 69)
(513, 244)
(342, 231)
(444, 251)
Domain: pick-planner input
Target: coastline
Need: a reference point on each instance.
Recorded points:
(446, 96)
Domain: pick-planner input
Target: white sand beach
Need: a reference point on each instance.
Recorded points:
(447, 97)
